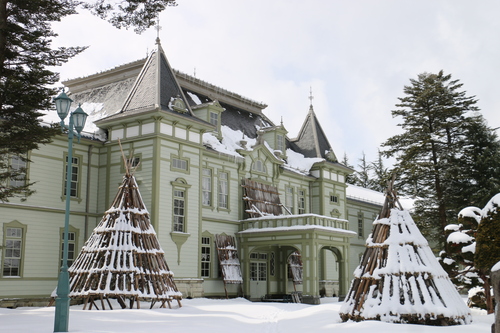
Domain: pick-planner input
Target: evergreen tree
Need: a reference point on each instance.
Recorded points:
(26, 77)
(488, 236)
(459, 260)
(433, 114)
(363, 173)
(488, 245)
(25, 55)
(475, 179)
(381, 174)
(349, 179)
(140, 14)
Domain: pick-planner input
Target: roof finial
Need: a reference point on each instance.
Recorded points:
(158, 28)
(311, 97)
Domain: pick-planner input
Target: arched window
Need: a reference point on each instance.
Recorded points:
(259, 166)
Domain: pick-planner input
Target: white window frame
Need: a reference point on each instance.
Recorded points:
(75, 176)
(179, 210)
(223, 190)
(289, 198)
(280, 142)
(16, 164)
(206, 191)
(206, 257)
(301, 201)
(214, 118)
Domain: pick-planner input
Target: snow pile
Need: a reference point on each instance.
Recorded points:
(496, 267)
(491, 206)
(298, 162)
(232, 142)
(216, 316)
(94, 111)
(400, 280)
(366, 194)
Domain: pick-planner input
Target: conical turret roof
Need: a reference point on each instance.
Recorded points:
(311, 139)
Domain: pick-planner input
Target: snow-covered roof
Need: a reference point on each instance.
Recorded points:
(299, 228)
(364, 194)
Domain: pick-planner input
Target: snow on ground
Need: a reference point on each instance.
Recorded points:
(205, 315)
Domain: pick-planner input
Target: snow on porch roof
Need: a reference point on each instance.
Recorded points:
(299, 228)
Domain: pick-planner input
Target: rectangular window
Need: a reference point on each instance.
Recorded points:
(334, 199)
(134, 161)
(253, 271)
(206, 185)
(214, 118)
(289, 199)
(13, 254)
(179, 164)
(71, 247)
(280, 143)
(301, 201)
(262, 271)
(223, 190)
(179, 213)
(18, 165)
(205, 257)
(75, 168)
(360, 224)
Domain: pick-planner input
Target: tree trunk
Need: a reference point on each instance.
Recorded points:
(3, 44)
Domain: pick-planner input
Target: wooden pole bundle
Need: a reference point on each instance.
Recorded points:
(228, 260)
(122, 259)
(261, 199)
(399, 279)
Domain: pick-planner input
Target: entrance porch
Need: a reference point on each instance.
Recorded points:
(266, 243)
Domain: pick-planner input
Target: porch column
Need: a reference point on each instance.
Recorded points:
(344, 274)
(310, 275)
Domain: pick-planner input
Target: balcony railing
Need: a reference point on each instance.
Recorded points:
(293, 221)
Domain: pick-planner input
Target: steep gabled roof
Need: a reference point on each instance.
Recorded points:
(311, 140)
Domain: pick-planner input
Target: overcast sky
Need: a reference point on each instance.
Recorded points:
(356, 55)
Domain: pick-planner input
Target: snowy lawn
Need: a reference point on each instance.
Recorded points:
(205, 315)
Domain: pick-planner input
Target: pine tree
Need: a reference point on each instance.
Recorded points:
(352, 178)
(26, 75)
(488, 245)
(140, 14)
(488, 236)
(475, 179)
(433, 114)
(459, 260)
(363, 176)
(381, 174)
(25, 56)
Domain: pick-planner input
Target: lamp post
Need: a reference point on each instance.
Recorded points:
(77, 120)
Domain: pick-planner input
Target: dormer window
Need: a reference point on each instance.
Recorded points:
(179, 105)
(214, 118)
(280, 143)
(259, 166)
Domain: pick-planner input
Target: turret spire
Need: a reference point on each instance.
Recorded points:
(311, 97)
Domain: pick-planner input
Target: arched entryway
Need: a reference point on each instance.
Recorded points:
(330, 270)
